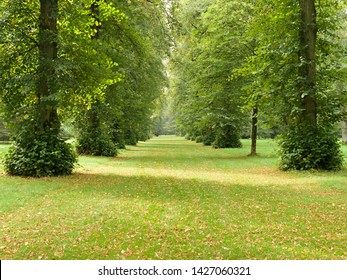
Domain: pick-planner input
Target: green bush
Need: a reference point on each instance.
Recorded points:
(306, 148)
(130, 138)
(117, 137)
(228, 137)
(208, 138)
(95, 142)
(199, 139)
(39, 155)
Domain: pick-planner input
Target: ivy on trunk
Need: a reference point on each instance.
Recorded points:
(38, 149)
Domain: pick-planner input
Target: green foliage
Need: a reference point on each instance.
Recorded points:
(163, 120)
(136, 45)
(94, 134)
(39, 154)
(208, 137)
(18, 58)
(275, 65)
(277, 85)
(305, 148)
(227, 137)
(131, 138)
(117, 136)
(96, 143)
(209, 47)
(199, 139)
(4, 132)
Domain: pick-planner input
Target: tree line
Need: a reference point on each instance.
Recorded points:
(112, 72)
(92, 69)
(265, 64)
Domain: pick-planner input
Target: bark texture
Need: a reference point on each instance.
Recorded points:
(48, 49)
(254, 132)
(307, 60)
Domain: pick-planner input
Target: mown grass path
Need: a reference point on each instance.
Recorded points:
(169, 198)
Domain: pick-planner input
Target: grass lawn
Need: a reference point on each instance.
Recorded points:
(169, 198)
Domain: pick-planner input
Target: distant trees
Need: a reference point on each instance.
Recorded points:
(138, 44)
(210, 44)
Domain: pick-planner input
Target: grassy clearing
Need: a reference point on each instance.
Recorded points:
(170, 198)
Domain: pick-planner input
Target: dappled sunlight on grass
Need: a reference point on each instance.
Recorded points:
(177, 159)
(248, 177)
(171, 199)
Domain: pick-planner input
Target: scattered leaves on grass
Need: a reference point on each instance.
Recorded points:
(187, 204)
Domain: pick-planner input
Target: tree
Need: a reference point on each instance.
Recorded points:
(144, 45)
(314, 146)
(47, 76)
(38, 149)
(93, 137)
(294, 70)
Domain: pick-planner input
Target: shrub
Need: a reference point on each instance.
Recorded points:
(96, 142)
(208, 138)
(117, 137)
(40, 154)
(130, 138)
(227, 137)
(199, 139)
(305, 148)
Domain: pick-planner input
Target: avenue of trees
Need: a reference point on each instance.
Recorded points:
(114, 72)
(275, 64)
(90, 68)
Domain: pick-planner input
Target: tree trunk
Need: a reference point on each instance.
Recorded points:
(48, 49)
(307, 60)
(96, 27)
(344, 132)
(254, 132)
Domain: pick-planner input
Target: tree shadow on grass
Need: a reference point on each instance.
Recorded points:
(97, 216)
(170, 187)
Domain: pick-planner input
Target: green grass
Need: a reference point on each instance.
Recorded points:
(169, 198)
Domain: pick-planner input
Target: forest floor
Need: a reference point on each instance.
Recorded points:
(169, 198)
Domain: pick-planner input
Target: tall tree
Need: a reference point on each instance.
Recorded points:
(143, 37)
(38, 149)
(294, 71)
(254, 131)
(312, 143)
(136, 43)
(93, 136)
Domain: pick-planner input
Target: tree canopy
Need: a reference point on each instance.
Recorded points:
(285, 58)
